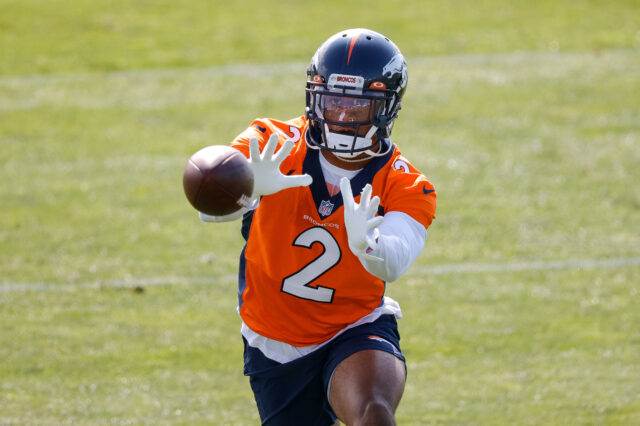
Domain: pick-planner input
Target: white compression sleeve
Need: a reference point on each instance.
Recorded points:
(228, 218)
(400, 242)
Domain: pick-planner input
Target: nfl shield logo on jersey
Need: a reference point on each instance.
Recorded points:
(326, 207)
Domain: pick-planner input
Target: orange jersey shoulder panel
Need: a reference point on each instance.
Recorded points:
(263, 128)
(405, 189)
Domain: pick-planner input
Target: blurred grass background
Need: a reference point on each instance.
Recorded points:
(117, 306)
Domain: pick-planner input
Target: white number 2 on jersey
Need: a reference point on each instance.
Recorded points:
(298, 284)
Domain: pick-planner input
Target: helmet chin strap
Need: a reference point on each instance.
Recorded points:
(341, 141)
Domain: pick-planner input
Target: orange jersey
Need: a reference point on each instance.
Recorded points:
(299, 281)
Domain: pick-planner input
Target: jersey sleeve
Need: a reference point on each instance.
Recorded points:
(260, 129)
(409, 191)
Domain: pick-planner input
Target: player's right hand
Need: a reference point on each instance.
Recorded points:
(267, 177)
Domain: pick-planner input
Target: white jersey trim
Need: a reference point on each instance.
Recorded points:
(282, 352)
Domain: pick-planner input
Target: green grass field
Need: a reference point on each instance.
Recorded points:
(118, 306)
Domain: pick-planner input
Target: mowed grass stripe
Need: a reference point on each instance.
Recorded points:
(278, 67)
(460, 268)
(186, 85)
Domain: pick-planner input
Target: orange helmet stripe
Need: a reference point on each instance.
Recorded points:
(353, 43)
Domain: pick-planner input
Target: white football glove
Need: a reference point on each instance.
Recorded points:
(267, 177)
(229, 217)
(362, 226)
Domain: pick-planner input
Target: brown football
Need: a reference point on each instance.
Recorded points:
(218, 180)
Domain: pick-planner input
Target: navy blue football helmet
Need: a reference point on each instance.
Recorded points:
(355, 84)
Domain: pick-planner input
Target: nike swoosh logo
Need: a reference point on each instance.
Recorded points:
(427, 191)
(262, 129)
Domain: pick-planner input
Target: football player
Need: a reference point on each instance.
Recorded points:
(338, 213)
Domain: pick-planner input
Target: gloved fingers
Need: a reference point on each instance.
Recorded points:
(371, 243)
(347, 195)
(254, 150)
(373, 206)
(285, 150)
(372, 257)
(365, 196)
(297, 180)
(206, 217)
(270, 147)
(374, 222)
(226, 218)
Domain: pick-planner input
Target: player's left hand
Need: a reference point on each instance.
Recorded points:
(360, 220)
(267, 177)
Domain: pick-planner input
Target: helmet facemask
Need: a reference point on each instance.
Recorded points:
(351, 121)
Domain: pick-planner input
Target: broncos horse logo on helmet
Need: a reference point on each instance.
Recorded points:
(355, 83)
